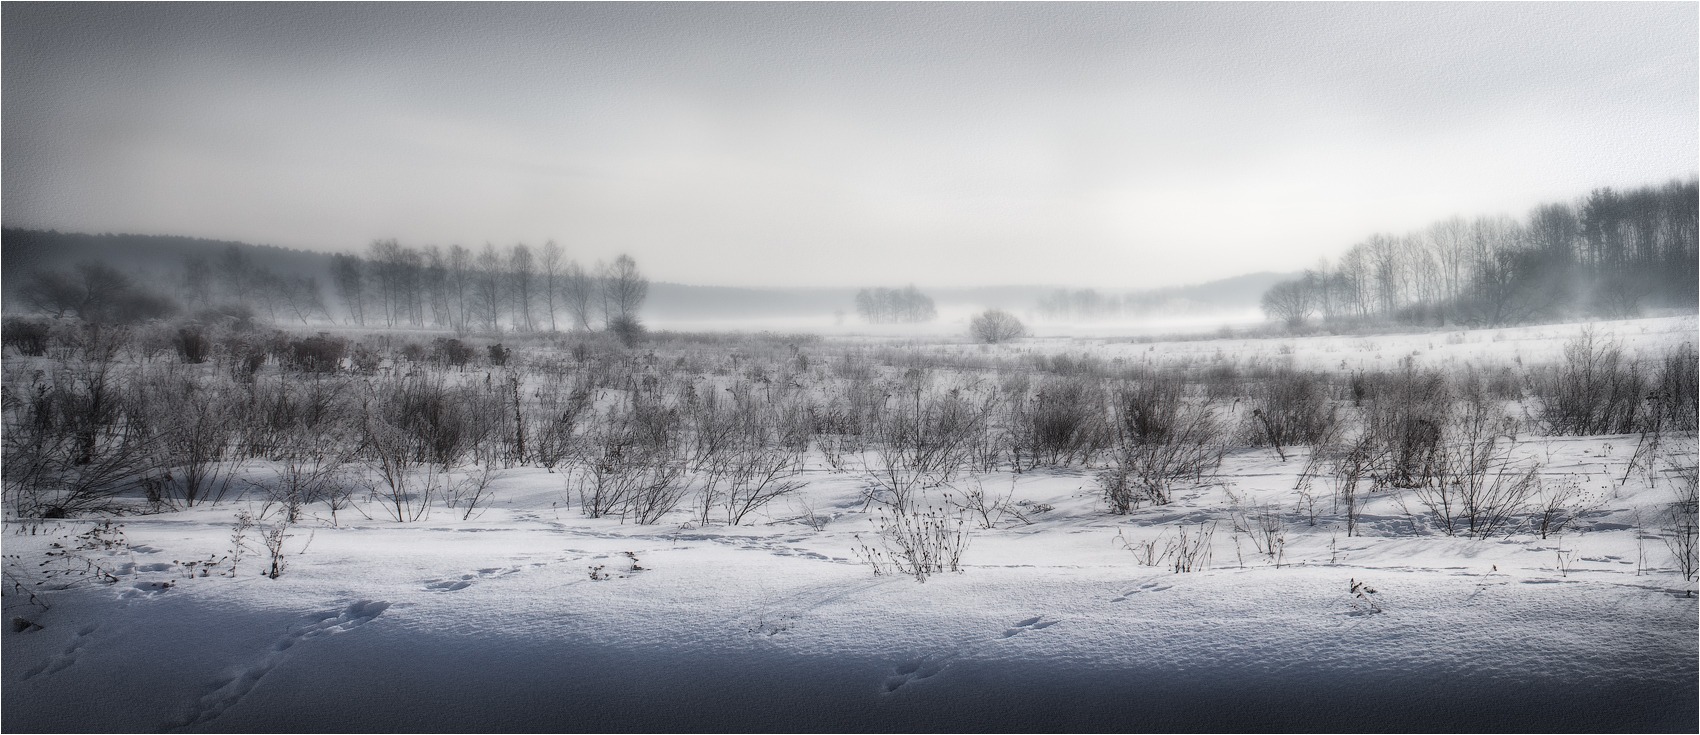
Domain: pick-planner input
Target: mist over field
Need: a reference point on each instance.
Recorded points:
(844, 367)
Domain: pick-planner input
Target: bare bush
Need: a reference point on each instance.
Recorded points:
(1149, 407)
(755, 477)
(996, 325)
(1676, 389)
(631, 463)
(28, 337)
(1266, 529)
(1595, 391)
(1558, 504)
(319, 354)
(407, 479)
(72, 441)
(922, 439)
(1407, 412)
(1191, 552)
(1062, 423)
(1349, 465)
(195, 429)
(917, 540)
(1289, 408)
(1148, 552)
(1489, 488)
(312, 468)
(561, 404)
(1682, 516)
(991, 509)
(471, 492)
(1164, 441)
(274, 536)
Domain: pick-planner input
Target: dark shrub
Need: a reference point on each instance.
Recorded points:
(1063, 422)
(320, 354)
(627, 328)
(1406, 413)
(193, 344)
(1289, 408)
(27, 337)
(1149, 406)
(451, 352)
(365, 359)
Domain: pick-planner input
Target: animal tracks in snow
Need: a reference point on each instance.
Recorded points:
(1147, 587)
(1035, 623)
(917, 669)
(65, 658)
(470, 578)
(775, 544)
(226, 695)
(928, 666)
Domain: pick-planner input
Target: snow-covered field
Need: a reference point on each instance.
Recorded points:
(529, 616)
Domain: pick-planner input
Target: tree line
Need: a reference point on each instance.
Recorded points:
(229, 285)
(391, 285)
(895, 305)
(1610, 254)
(398, 286)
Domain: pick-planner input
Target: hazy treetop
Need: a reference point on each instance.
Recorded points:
(839, 144)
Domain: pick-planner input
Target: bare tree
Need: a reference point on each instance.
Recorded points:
(52, 292)
(1290, 301)
(551, 262)
(1448, 239)
(197, 281)
(489, 296)
(383, 258)
(348, 273)
(434, 279)
(521, 268)
(236, 270)
(460, 285)
(302, 296)
(577, 290)
(623, 289)
(90, 292)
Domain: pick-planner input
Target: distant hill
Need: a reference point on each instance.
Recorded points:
(159, 259)
(1236, 293)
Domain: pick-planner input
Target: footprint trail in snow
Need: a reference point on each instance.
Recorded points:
(64, 659)
(214, 703)
(928, 666)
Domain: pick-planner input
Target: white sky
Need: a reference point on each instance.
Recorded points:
(1108, 145)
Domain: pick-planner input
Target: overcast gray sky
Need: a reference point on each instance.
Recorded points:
(1105, 145)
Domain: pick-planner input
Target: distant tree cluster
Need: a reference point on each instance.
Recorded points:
(894, 305)
(231, 283)
(227, 285)
(1611, 254)
(94, 292)
(398, 286)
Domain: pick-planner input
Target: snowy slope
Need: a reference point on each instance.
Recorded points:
(531, 617)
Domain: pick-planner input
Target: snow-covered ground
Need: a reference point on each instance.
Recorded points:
(529, 616)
